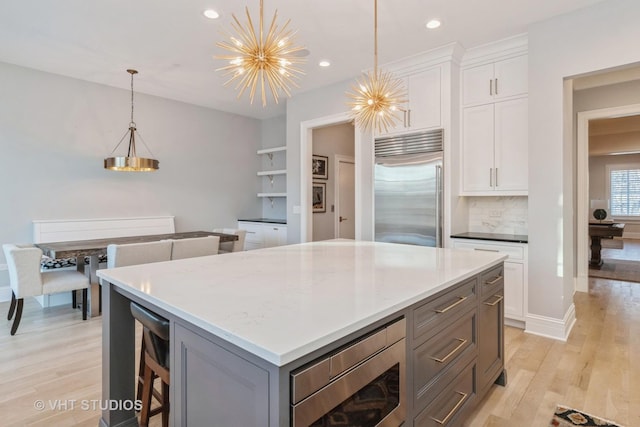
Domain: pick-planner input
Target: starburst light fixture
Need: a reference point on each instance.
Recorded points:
(131, 162)
(377, 97)
(270, 60)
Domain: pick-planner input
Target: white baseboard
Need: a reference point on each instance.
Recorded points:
(53, 300)
(558, 329)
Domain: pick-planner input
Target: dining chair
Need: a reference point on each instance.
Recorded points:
(27, 280)
(138, 253)
(195, 247)
(235, 246)
(155, 336)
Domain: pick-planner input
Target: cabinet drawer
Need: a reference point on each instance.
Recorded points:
(452, 403)
(255, 233)
(492, 281)
(430, 360)
(433, 316)
(514, 252)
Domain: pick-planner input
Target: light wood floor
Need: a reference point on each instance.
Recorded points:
(56, 358)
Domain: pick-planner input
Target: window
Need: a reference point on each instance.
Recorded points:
(624, 190)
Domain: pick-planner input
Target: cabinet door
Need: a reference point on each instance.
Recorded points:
(513, 290)
(477, 85)
(214, 386)
(424, 100)
(511, 77)
(511, 145)
(477, 148)
(274, 235)
(490, 339)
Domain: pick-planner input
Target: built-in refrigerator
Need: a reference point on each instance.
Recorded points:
(408, 189)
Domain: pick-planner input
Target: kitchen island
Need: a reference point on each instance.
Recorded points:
(243, 323)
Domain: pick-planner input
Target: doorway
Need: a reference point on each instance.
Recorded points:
(331, 145)
(363, 199)
(582, 185)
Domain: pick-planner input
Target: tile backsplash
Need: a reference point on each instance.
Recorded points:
(506, 215)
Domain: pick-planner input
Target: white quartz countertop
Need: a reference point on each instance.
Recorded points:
(283, 303)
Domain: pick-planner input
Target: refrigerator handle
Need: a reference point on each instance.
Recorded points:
(439, 206)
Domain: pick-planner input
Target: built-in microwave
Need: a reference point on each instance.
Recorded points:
(361, 384)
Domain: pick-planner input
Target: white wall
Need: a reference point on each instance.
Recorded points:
(55, 132)
(595, 38)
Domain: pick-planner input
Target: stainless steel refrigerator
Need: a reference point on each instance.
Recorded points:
(408, 189)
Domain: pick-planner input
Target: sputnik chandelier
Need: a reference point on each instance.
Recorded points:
(377, 97)
(258, 60)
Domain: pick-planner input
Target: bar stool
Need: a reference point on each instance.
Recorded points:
(155, 340)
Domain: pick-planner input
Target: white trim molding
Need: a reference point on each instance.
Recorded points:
(582, 186)
(557, 329)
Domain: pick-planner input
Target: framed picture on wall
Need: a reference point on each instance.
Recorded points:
(320, 167)
(319, 197)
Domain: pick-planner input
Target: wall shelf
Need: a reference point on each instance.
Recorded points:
(270, 195)
(275, 172)
(272, 150)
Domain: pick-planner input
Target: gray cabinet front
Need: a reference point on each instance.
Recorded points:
(211, 383)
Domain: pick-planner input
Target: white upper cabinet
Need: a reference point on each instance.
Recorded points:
(494, 148)
(494, 120)
(424, 100)
(495, 81)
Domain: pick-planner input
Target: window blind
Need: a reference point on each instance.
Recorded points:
(625, 192)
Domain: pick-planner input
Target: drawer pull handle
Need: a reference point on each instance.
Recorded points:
(498, 299)
(494, 281)
(463, 396)
(251, 232)
(444, 310)
(452, 352)
(486, 250)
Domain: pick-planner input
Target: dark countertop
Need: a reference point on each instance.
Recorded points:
(497, 237)
(267, 220)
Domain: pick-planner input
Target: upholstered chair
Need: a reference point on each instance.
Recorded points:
(195, 247)
(155, 337)
(235, 246)
(138, 253)
(26, 279)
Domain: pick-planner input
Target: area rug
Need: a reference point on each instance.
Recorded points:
(567, 417)
(617, 269)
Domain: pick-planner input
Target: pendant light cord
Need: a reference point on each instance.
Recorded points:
(132, 122)
(375, 36)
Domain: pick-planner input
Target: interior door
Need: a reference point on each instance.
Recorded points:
(345, 198)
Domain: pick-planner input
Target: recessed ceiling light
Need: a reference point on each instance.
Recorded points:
(324, 63)
(211, 14)
(434, 23)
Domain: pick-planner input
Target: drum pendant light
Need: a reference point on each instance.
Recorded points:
(131, 162)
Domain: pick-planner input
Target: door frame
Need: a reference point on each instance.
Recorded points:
(306, 150)
(337, 159)
(582, 185)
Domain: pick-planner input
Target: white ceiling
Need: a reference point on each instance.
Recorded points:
(173, 45)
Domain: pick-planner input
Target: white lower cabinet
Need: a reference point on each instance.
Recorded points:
(263, 234)
(515, 275)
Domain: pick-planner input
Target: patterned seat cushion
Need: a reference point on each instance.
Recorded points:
(51, 263)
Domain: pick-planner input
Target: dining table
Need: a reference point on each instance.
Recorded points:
(94, 248)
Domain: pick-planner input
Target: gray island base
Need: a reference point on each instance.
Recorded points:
(269, 337)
